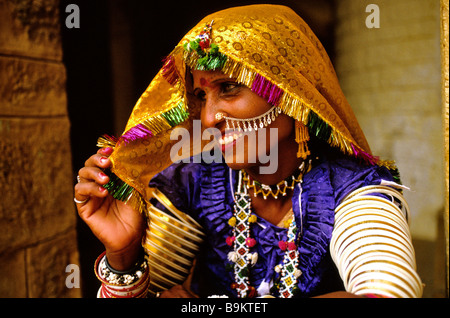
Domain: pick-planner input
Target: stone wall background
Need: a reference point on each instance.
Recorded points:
(445, 119)
(38, 236)
(391, 76)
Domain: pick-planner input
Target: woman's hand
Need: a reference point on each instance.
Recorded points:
(118, 226)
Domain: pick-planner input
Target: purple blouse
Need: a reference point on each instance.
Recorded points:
(205, 192)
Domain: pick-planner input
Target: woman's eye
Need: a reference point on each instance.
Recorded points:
(229, 87)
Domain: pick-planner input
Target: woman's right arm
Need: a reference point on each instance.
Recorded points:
(118, 226)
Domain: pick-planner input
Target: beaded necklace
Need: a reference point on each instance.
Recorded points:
(242, 258)
(280, 188)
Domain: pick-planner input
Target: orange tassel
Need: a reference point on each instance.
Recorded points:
(302, 137)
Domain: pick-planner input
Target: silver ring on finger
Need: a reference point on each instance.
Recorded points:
(80, 201)
(78, 179)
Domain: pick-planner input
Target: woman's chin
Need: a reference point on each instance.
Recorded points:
(237, 162)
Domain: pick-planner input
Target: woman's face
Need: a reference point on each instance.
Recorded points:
(218, 93)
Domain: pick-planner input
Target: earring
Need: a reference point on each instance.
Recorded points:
(302, 138)
(254, 123)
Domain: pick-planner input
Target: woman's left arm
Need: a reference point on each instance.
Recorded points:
(371, 244)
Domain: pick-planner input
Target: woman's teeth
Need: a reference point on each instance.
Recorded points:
(225, 140)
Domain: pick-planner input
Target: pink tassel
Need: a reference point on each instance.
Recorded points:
(368, 158)
(137, 132)
(282, 245)
(169, 70)
(266, 90)
(250, 242)
(291, 246)
(230, 240)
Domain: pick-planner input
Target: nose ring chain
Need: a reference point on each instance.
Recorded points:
(249, 124)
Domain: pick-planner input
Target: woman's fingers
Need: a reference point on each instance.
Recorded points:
(105, 151)
(92, 174)
(93, 169)
(91, 178)
(84, 190)
(89, 196)
(98, 160)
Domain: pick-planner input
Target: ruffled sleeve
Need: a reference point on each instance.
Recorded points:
(216, 199)
(317, 211)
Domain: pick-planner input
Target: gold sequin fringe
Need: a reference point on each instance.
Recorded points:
(389, 164)
(337, 140)
(137, 201)
(163, 120)
(302, 138)
(156, 124)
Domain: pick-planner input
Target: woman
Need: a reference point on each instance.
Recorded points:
(320, 221)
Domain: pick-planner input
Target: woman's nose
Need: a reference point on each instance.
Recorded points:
(209, 111)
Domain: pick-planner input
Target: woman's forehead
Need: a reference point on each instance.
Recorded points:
(205, 78)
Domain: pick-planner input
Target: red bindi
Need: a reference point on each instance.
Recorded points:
(204, 82)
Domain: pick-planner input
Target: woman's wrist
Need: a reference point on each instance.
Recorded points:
(124, 260)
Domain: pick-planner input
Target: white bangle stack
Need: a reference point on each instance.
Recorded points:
(371, 244)
(132, 284)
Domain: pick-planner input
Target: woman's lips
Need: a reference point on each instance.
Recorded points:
(229, 139)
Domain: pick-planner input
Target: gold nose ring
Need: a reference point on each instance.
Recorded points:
(219, 116)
